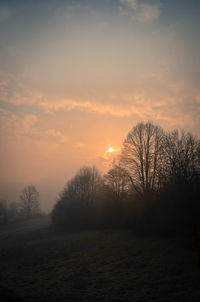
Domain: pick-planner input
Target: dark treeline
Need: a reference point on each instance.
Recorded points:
(153, 186)
(27, 207)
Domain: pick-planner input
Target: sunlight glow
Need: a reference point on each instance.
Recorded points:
(111, 150)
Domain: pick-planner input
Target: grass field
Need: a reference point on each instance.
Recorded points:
(38, 263)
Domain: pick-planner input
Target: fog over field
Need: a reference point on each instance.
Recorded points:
(39, 264)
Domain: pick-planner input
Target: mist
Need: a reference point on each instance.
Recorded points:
(99, 150)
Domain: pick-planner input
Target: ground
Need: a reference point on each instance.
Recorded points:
(38, 263)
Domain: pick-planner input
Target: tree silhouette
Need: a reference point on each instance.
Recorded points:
(180, 179)
(181, 157)
(163, 168)
(141, 155)
(29, 204)
(84, 186)
(76, 202)
(117, 182)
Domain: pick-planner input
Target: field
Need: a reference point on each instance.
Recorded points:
(38, 263)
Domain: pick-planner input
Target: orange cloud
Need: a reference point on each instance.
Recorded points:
(68, 105)
(55, 133)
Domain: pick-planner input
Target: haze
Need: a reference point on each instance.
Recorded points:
(76, 76)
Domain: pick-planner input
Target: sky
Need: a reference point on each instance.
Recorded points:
(76, 76)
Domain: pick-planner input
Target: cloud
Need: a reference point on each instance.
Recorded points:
(17, 128)
(28, 122)
(143, 12)
(68, 105)
(162, 108)
(13, 126)
(148, 13)
(132, 4)
(8, 120)
(57, 134)
(14, 90)
(171, 107)
(162, 96)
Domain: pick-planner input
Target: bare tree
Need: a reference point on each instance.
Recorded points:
(29, 204)
(117, 181)
(141, 156)
(181, 157)
(180, 179)
(75, 204)
(84, 186)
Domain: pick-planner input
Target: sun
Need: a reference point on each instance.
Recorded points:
(111, 153)
(110, 150)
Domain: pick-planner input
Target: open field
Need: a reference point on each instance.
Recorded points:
(38, 263)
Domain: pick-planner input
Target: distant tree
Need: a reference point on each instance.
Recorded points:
(29, 202)
(141, 155)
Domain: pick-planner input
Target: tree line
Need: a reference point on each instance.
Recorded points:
(28, 206)
(154, 185)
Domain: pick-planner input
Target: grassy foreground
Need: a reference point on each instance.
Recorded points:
(38, 263)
